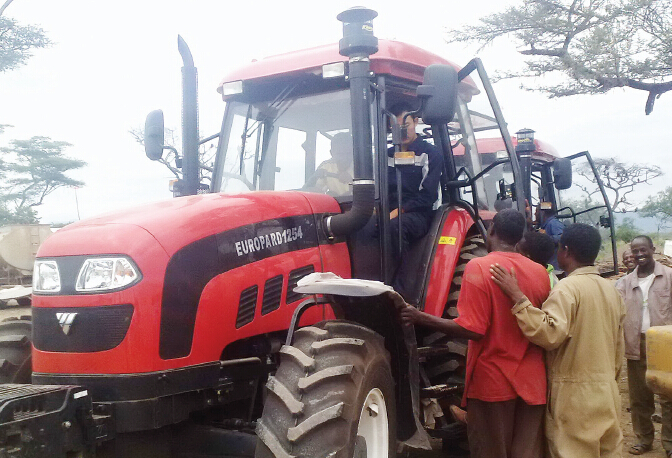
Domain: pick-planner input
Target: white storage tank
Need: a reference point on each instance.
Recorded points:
(667, 251)
(19, 245)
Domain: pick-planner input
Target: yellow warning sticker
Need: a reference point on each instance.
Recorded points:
(447, 241)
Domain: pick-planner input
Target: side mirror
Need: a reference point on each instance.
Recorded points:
(562, 173)
(438, 93)
(154, 135)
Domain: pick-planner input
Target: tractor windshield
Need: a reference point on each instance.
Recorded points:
(300, 142)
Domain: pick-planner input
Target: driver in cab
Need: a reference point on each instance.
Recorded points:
(334, 176)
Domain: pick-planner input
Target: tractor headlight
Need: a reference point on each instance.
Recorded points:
(46, 278)
(101, 274)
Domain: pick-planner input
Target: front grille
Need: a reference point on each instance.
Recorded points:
(272, 295)
(248, 303)
(294, 277)
(90, 329)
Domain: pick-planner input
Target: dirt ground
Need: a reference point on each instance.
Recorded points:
(629, 438)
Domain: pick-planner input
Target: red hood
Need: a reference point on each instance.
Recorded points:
(177, 222)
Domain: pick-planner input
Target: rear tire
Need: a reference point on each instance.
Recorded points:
(450, 368)
(332, 396)
(15, 358)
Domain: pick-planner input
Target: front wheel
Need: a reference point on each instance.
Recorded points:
(15, 338)
(332, 396)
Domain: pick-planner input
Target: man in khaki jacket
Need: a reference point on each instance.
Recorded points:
(580, 326)
(646, 292)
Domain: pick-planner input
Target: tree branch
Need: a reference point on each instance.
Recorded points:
(4, 6)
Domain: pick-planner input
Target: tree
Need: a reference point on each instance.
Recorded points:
(29, 171)
(206, 153)
(619, 178)
(660, 207)
(17, 41)
(580, 205)
(626, 231)
(594, 45)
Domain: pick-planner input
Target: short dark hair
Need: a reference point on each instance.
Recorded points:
(538, 246)
(583, 242)
(645, 237)
(509, 225)
(402, 107)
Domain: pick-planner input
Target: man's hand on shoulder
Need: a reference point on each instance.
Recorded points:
(507, 282)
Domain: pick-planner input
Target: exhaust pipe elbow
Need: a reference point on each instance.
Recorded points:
(363, 195)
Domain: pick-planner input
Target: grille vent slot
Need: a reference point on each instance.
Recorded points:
(247, 305)
(272, 295)
(294, 277)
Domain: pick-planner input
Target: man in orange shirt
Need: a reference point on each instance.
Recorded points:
(505, 390)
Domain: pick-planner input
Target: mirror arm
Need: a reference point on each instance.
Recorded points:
(171, 149)
(211, 137)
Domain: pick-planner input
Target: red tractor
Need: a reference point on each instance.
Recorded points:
(173, 329)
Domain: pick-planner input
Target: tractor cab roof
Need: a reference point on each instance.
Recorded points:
(394, 58)
(542, 151)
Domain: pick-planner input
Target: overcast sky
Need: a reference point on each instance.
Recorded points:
(114, 61)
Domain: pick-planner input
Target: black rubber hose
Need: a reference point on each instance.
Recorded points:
(356, 218)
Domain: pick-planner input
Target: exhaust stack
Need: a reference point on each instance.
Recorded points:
(358, 43)
(190, 163)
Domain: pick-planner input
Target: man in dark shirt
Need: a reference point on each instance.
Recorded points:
(420, 164)
(551, 226)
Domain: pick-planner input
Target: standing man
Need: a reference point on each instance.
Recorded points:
(551, 226)
(646, 291)
(420, 176)
(629, 264)
(581, 327)
(505, 383)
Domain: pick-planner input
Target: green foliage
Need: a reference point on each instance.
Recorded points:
(588, 211)
(578, 211)
(626, 231)
(17, 42)
(29, 171)
(659, 206)
(595, 45)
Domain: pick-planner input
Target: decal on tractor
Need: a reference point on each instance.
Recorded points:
(260, 242)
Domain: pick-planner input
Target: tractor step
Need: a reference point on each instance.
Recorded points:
(439, 391)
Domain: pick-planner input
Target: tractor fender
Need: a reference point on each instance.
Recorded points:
(457, 226)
